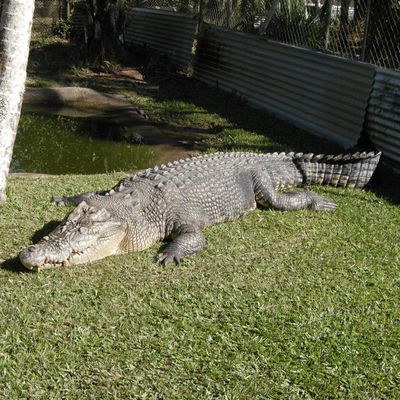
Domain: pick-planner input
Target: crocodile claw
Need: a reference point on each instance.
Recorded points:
(321, 204)
(166, 258)
(58, 201)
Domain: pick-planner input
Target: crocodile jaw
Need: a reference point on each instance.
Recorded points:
(88, 234)
(38, 257)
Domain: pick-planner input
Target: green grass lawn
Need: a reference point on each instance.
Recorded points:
(295, 305)
(279, 305)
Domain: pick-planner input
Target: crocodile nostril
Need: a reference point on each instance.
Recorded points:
(32, 248)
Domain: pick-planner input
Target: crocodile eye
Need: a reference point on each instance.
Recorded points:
(100, 215)
(133, 197)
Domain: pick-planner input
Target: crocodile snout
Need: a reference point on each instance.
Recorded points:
(40, 256)
(33, 257)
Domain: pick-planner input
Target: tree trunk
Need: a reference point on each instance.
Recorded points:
(344, 14)
(360, 7)
(264, 26)
(344, 23)
(315, 8)
(16, 24)
(325, 18)
(104, 29)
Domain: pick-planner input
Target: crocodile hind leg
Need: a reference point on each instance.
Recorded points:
(188, 240)
(71, 200)
(266, 195)
(78, 198)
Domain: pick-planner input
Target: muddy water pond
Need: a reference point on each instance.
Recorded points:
(62, 140)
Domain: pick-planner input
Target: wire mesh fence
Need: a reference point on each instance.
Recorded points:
(47, 13)
(364, 30)
(186, 6)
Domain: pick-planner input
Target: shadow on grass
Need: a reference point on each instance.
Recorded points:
(242, 116)
(14, 265)
(386, 183)
(57, 56)
(44, 230)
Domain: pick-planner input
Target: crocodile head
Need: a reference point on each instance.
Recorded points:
(88, 233)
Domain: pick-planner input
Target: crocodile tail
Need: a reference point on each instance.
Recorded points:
(349, 170)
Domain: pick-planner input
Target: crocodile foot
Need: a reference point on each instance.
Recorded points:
(165, 257)
(58, 201)
(322, 204)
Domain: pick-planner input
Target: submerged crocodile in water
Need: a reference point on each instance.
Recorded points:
(178, 200)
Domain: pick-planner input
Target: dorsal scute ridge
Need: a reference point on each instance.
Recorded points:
(336, 159)
(219, 157)
(201, 161)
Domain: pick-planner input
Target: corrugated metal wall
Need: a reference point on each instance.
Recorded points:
(324, 94)
(383, 116)
(168, 32)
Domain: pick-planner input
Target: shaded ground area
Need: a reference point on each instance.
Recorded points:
(79, 98)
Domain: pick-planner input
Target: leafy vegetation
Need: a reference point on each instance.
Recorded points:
(62, 28)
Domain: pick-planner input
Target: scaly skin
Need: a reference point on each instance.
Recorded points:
(184, 197)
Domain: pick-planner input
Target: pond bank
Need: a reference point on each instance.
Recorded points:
(80, 130)
(83, 101)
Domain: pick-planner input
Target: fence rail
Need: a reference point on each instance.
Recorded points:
(148, 27)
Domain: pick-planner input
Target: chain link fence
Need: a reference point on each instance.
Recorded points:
(185, 6)
(47, 13)
(364, 30)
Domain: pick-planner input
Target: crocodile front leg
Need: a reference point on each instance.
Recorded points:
(188, 240)
(71, 200)
(78, 198)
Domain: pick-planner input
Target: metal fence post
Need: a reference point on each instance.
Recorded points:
(328, 11)
(68, 4)
(229, 14)
(200, 15)
(268, 18)
(366, 28)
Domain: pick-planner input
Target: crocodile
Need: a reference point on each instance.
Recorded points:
(178, 200)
